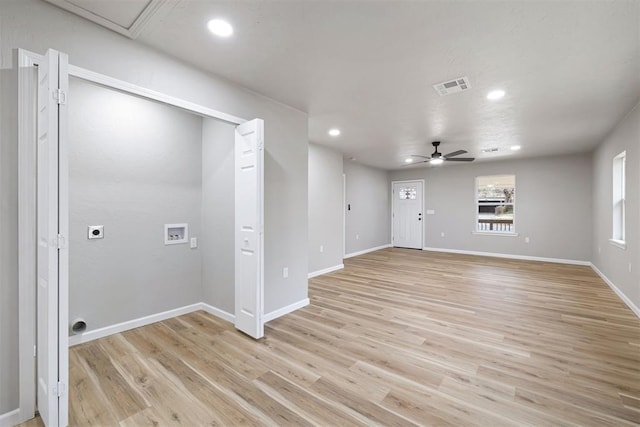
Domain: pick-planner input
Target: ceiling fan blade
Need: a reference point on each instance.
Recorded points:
(416, 163)
(462, 159)
(455, 153)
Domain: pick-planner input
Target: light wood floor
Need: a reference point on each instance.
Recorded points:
(399, 337)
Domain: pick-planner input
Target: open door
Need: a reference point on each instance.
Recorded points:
(52, 345)
(249, 265)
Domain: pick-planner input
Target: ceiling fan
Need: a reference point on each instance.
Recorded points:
(437, 157)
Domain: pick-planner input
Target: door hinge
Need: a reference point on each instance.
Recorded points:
(60, 96)
(62, 242)
(35, 351)
(61, 388)
(260, 145)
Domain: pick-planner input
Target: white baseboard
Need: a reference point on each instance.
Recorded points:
(132, 324)
(325, 271)
(366, 251)
(218, 313)
(10, 419)
(618, 292)
(510, 256)
(285, 310)
(158, 317)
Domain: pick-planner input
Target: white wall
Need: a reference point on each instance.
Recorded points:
(613, 261)
(217, 243)
(368, 221)
(9, 242)
(35, 25)
(134, 165)
(553, 206)
(325, 208)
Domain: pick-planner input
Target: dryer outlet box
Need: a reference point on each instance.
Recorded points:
(95, 232)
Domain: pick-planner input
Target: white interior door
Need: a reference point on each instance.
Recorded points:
(51, 345)
(407, 214)
(249, 265)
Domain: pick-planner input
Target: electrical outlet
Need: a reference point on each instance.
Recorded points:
(95, 232)
(526, 240)
(285, 272)
(357, 237)
(321, 248)
(442, 234)
(193, 242)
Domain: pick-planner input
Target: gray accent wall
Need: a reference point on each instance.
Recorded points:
(36, 26)
(134, 165)
(368, 221)
(612, 261)
(553, 206)
(218, 240)
(325, 208)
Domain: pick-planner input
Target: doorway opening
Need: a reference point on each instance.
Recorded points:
(106, 151)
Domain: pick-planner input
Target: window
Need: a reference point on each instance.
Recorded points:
(619, 203)
(495, 203)
(408, 193)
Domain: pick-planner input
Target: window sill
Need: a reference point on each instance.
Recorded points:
(618, 243)
(495, 233)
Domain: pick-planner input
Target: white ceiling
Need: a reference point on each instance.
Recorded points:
(571, 70)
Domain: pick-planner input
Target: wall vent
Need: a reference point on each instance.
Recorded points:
(490, 150)
(452, 86)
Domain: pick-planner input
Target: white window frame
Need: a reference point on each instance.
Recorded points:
(618, 206)
(511, 233)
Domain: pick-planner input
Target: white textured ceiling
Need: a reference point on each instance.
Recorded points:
(571, 69)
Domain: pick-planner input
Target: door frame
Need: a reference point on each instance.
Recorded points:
(344, 215)
(27, 91)
(422, 207)
(27, 178)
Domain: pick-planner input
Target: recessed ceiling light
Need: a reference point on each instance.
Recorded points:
(515, 147)
(334, 132)
(408, 160)
(496, 94)
(436, 161)
(220, 27)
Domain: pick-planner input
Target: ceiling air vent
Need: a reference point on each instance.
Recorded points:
(490, 150)
(452, 86)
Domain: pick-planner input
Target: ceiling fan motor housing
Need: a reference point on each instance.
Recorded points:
(436, 154)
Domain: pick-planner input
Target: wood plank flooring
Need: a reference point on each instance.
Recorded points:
(397, 338)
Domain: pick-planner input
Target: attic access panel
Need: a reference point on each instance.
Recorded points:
(124, 17)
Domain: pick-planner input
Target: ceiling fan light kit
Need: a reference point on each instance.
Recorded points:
(437, 157)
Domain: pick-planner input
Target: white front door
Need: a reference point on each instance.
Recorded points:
(249, 268)
(51, 304)
(407, 214)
